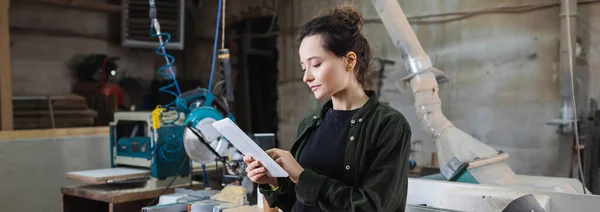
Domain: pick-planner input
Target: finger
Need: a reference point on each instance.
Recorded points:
(279, 161)
(275, 156)
(273, 151)
(257, 164)
(253, 165)
(270, 152)
(255, 178)
(258, 171)
(248, 159)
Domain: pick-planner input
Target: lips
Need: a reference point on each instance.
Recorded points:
(314, 87)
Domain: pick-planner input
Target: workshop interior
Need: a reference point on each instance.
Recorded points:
(111, 105)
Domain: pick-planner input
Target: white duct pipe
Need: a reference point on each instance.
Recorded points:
(450, 141)
(567, 115)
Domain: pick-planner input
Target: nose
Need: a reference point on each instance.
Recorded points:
(308, 77)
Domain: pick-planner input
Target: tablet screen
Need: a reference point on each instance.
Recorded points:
(247, 146)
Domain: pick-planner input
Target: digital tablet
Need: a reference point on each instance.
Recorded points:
(247, 146)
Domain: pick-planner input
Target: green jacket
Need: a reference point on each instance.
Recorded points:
(376, 162)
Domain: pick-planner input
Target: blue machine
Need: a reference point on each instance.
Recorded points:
(199, 104)
(132, 134)
(202, 109)
(131, 145)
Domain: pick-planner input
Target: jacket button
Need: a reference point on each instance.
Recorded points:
(359, 120)
(352, 138)
(314, 117)
(347, 167)
(352, 121)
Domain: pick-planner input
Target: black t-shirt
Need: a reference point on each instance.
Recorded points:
(325, 150)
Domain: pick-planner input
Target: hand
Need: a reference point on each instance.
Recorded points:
(287, 162)
(257, 173)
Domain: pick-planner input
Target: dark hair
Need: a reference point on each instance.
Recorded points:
(340, 30)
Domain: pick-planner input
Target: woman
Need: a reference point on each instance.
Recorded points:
(352, 153)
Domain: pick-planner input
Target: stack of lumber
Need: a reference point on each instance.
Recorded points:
(58, 111)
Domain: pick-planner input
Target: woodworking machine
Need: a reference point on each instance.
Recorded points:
(131, 144)
(158, 145)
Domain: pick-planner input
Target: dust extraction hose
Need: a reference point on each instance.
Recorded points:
(450, 141)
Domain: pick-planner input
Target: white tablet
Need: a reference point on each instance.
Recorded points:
(247, 146)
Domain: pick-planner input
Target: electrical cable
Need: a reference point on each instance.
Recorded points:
(570, 52)
(197, 134)
(223, 47)
(212, 69)
(201, 139)
(223, 26)
(463, 15)
(171, 146)
(168, 185)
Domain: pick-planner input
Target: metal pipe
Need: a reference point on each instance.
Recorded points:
(568, 8)
(566, 115)
(450, 141)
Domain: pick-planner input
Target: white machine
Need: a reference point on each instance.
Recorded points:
(485, 181)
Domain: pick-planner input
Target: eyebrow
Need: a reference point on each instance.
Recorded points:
(311, 58)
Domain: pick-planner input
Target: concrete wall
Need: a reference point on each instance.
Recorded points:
(589, 29)
(502, 70)
(502, 67)
(45, 40)
(33, 170)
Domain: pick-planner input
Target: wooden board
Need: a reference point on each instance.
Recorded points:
(45, 122)
(84, 4)
(68, 113)
(101, 176)
(6, 116)
(53, 133)
(113, 193)
(59, 102)
(245, 208)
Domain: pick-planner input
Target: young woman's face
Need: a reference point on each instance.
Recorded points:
(324, 72)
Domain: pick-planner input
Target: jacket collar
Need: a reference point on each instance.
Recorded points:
(360, 114)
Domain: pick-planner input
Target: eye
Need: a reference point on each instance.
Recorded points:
(317, 65)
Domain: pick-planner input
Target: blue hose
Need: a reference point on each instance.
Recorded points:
(205, 177)
(172, 144)
(160, 50)
(212, 69)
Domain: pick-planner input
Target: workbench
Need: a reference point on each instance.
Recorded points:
(113, 198)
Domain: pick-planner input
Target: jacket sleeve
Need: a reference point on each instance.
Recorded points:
(384, 186)
(285, 197)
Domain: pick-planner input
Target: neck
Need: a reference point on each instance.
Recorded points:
(350, 98)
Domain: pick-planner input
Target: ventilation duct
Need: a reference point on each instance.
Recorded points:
(135, 23)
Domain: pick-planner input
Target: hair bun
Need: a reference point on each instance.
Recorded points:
(345, 13)
(348, 14)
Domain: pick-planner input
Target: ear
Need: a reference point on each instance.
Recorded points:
(350, 60)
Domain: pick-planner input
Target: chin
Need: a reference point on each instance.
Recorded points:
(319, 95)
